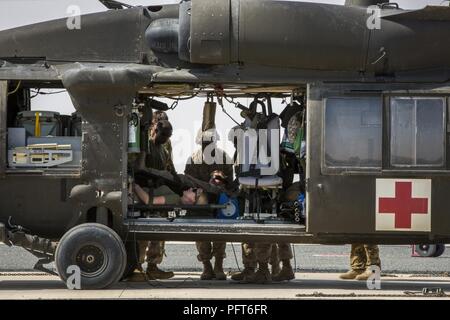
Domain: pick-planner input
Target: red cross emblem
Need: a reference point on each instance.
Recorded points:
(403, 204)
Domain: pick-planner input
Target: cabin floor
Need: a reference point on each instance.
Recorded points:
(197, 229)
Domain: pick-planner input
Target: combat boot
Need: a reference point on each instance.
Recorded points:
(262, 276)
(218, 269)
(351, 274)
(137, 276)
(365, 275)
(285, 274)
(208, 273)
(239, 276)
(154, 273)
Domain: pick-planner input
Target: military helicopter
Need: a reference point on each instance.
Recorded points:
(374, 84)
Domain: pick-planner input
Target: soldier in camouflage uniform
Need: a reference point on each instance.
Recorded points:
(201, 164)
(254, 254)
(362, 256)
(218, 172)
(161, 115)
(262, 275)
(157, 157)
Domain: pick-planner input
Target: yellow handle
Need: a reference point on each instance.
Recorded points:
(37, 126)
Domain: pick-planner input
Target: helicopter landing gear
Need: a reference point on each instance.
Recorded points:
(429, 250)
(96, 250)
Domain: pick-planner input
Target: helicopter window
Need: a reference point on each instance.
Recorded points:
(417, 131)
(353, 132)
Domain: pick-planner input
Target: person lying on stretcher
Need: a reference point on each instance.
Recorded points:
(164, 195)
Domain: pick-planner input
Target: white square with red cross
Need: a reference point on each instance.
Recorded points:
(403, 205)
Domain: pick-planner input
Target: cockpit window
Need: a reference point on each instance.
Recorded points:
(417, 131)
(353, 132)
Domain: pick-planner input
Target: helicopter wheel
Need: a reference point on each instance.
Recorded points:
(426, 250)
(96, 250)
(440, 248)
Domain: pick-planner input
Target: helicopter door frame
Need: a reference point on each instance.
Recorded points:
(3, 125)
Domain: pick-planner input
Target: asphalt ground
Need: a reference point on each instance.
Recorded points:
(182, 257)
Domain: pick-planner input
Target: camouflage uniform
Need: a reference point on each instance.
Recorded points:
(154, 251)
(253, 253)
(158, 158)
(263, 253)
(363, 256)
(207, 250)
(248, 255)
(161, 115)
(296, 136)
(197, 168)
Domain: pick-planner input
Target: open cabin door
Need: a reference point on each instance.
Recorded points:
(378, 161)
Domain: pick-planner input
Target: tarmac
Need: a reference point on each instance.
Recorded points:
(39, 286)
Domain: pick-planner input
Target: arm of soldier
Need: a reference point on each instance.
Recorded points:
(145, 197)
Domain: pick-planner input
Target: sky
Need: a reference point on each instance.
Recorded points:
(186, 118)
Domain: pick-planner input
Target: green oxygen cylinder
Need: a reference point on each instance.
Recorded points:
(134, 134)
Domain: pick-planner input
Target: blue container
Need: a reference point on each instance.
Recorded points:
(232, 211)
(301, 201)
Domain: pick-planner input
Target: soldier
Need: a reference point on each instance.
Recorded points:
(250, 263)
(286, 273)
(157, 157)
(262, 275)
(362, 256)
(161, 115)
(209, 158)
(284, 249)
(263, 254)
(217, 171)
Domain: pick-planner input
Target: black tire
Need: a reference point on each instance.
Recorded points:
(132, 249)
(426, 250)
(440, 249)
(97, 250)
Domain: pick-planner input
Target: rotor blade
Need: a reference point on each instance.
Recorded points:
(430, 13)
(115, 5)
